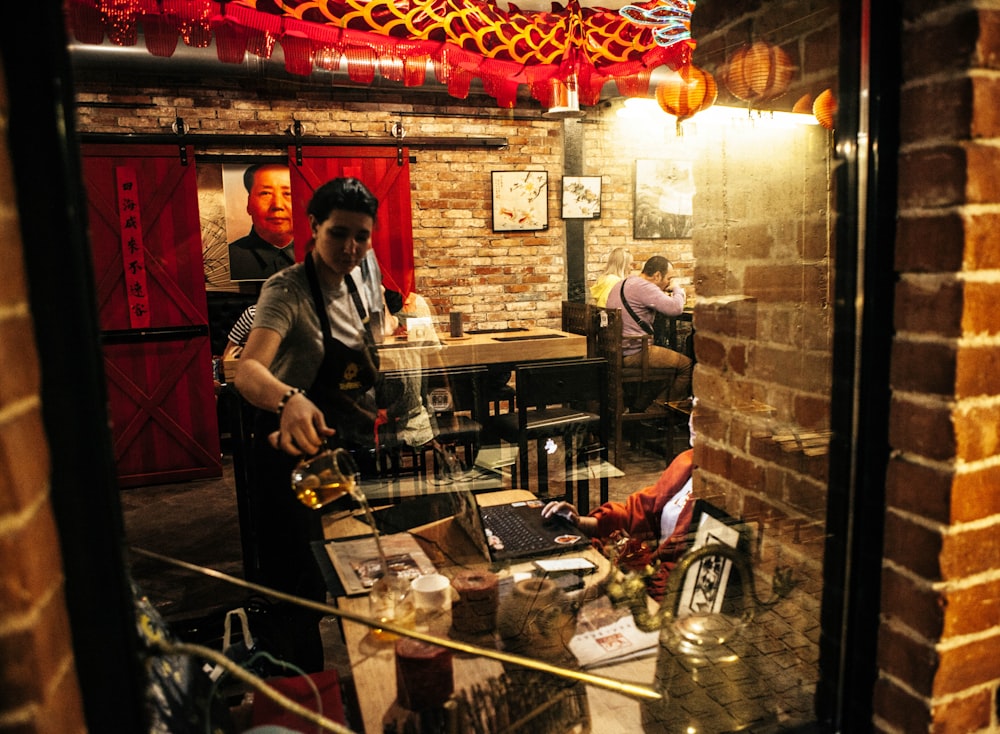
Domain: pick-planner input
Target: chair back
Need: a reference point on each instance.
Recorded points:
(577, 318)
(581, 383)
(456, 390)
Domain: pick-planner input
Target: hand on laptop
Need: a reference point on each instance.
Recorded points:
(569, 513)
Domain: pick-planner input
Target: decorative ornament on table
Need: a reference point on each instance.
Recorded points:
(687, 94)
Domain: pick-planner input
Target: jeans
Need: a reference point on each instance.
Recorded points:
(677, 388)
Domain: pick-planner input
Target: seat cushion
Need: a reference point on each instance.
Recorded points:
(544, 422)
(456, 429)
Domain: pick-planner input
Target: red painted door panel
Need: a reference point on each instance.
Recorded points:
(387, 174)
(159, 374)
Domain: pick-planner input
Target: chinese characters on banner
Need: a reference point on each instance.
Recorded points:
(133, 253)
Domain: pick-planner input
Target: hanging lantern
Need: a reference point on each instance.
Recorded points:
(825, 109)
(687, 94)
(803, 105)
(758, 72)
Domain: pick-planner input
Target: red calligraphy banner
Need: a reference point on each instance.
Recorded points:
(133, 252)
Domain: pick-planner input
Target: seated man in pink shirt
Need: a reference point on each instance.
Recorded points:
(640, 298)
(656, 518)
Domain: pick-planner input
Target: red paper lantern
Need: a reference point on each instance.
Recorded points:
(690, 92)
(758, 72)
(825, 109)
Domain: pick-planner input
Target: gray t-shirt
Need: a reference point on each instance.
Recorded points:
(285, 305)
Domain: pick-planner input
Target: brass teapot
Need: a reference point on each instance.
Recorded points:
(709, 672)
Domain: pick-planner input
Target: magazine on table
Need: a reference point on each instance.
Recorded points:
(358, 565)
(605, 635)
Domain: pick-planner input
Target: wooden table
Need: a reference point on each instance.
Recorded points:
(533, 344)
(373, 663)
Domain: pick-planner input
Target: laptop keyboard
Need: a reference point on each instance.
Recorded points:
(513, 531)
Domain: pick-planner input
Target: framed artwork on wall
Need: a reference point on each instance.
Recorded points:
(664, 197)
(520, 201)
(581, 197)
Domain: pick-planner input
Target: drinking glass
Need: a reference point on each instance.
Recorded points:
(389, 601)
(327, 476)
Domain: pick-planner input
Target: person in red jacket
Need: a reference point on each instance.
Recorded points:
(656, 520)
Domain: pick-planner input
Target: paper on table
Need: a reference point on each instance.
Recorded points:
(357, 563)
(606, 635)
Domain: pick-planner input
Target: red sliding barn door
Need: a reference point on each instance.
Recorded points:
(387, 174)
(146, 241)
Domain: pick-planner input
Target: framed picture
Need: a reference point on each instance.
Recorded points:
(664, 198)
(520, 201)
(581, 197)
(246, 235)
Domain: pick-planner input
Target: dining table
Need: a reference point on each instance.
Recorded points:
(373, 665)
(482, 347)
(489, 347)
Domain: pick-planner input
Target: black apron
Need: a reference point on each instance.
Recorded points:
(282, 527)
(343, 386)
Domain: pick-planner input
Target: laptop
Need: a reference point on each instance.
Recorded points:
(515, 530)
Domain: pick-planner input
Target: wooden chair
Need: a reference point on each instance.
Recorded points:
(455, 400)
(577, 318)
(608, 344)
(565, 399)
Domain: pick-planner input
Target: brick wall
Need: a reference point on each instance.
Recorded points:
(939, 648)
(38, 685)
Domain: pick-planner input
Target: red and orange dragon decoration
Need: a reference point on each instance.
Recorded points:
(397, 38)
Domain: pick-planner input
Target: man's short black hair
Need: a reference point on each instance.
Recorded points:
(656, 264)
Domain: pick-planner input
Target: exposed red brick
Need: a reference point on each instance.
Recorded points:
(980, 304)
(951, 100)
(27, 577)
(918, 607)
(932, 177)
(973, 609)
(919, 489)
(912, 662)
(737, 358)
(922, 429)
(961, 715)
(981, 251)
(711, 352)
(927, 367)
(983, 163)
(903, 711)
(977, 433)
(967, 666)
(914, 547)
(930, 243)
(975, 495)
(931, 48)
(978, 371)
(929, 308)
(970, 552)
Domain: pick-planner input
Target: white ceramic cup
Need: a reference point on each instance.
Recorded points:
(432, 592)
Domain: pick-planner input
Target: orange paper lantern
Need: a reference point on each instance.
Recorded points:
(758, 72)
(690, 92)
(825, 109)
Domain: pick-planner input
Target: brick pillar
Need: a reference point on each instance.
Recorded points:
(38, 685)
(939, 640)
